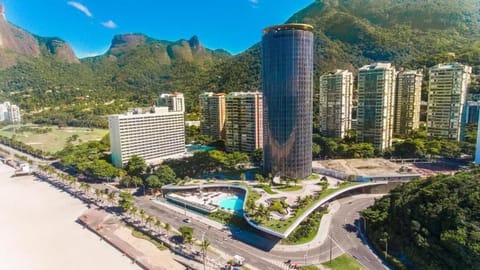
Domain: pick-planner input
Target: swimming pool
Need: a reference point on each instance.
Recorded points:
(232, 203)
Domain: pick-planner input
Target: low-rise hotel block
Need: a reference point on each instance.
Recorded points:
(153, 134)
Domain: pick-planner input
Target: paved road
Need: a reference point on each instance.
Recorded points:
(218, 239)
(344, 238)
(347, 235)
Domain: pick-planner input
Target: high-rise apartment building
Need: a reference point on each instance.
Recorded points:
(336, 93)
(472, 109)
(408, 97)
(287, 86)
(175, 102)
(153, 134)
(244, 122)
(376, 89)
(446, 99)
(10, 112)
(213, 115)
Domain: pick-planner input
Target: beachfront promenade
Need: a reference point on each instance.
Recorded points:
(110, 226)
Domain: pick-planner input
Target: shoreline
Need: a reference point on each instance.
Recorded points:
(38, 229)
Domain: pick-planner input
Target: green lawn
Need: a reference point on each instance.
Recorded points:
(55, 139)
(282, 226)
(266, 188)
(141, 235)
(344, 262)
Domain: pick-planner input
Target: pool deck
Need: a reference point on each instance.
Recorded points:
(203, 200)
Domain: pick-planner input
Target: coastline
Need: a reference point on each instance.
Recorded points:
(38, 229)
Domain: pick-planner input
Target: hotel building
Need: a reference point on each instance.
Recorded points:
(287, 87)
(407, 101)
(446, 99)
(336, 91)
(213, 115)
(244, 122)
(376, 88)
(153, 134)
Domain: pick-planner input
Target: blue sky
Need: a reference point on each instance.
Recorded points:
(89, 25)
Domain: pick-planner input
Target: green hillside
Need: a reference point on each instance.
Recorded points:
(348, 34)
(430, 224)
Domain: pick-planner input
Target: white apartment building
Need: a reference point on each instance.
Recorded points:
(376, 89)
(446, 99)
(336, 93)
(408, 97)
(10, 112)
(175, 102)
(244, 121)
(153, 134)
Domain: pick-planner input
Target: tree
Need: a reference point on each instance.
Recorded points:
(98, 193)
(187, 234)
(153, 182)
(316, 150)
(136, 166)
(257, 156)
(111, 198)
(243, 177)
(126, 201)
(204, 246)
(167, 228)
(165, 175)
(149, 220)
(142, 215)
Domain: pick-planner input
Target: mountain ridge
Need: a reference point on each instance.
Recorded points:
(348, 34)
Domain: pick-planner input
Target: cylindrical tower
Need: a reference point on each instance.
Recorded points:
(287, 85)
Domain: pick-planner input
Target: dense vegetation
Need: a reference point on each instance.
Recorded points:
(430, 224)
(348, 34)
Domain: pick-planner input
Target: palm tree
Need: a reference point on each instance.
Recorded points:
(204, 246)
(142, 214)
(167, 228)
(158, 224)
(111, 198)
(98, 193)
(149, 220)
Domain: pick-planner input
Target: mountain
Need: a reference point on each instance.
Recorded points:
(165, 52)
(348, 34)
(429, 223)
(16, 44)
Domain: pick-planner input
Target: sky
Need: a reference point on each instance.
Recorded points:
(89, 25)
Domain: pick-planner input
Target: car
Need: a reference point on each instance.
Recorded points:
(187, 220)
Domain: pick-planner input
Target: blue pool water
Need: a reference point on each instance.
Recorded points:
(199, 147)
(232, 203)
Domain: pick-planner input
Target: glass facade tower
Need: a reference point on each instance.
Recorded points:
(287, 85)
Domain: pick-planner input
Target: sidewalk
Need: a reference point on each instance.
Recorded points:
(203, 220)
(321, 236)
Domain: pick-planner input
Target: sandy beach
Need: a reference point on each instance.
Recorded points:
(38, 229)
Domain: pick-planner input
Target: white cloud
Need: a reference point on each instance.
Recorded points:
(109, 24)
(81, 7)
(254, 3)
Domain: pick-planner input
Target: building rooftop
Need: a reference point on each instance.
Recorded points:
(448, 66)
(250, 93)
(150, 111)
(376, 66)
(288, 26)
